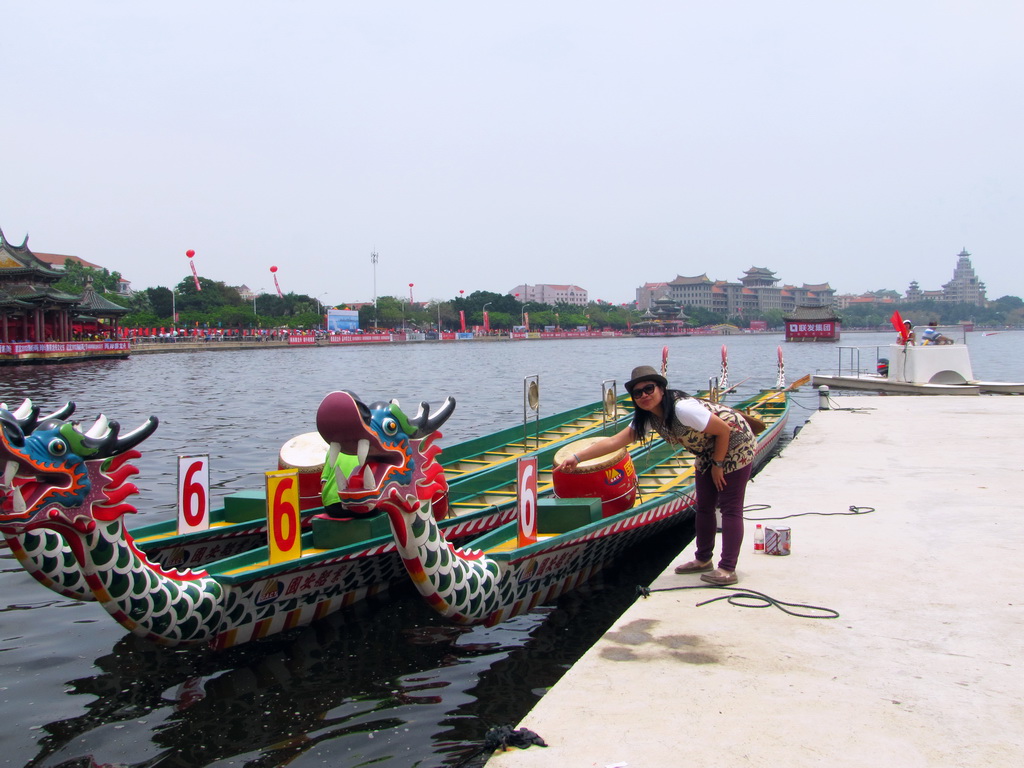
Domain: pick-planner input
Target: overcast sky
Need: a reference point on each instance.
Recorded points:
(480, 145)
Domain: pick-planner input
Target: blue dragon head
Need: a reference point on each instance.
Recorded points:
(53, 470)
(395, 453)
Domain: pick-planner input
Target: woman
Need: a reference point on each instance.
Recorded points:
(723, 444)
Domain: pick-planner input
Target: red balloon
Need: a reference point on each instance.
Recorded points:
(273, 269)
(190, 253)
(410, 285)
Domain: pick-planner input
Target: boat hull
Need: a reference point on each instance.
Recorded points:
(493, 579)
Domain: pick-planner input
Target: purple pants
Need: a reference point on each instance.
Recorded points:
(730, 501)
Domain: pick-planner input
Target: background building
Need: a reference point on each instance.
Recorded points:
(551, 294)
(756, 292)
(33, 310)
(964, 288)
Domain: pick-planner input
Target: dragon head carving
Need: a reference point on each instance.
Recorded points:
(395, 454)
(54, 473)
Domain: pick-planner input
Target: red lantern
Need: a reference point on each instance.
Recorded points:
(273, 269)
(190, 253)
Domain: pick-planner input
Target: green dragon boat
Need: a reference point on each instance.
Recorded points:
(240, 524)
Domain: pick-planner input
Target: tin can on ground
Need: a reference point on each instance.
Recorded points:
(777, 540)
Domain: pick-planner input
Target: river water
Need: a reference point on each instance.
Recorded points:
(387, 683)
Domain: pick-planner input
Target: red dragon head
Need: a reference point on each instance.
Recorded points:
(395, 454)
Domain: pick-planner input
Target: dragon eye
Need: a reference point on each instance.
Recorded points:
(57, 447)
(390, 427)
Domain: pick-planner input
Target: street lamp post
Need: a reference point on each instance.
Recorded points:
(255, 296)
(373, 260)
(321, 305)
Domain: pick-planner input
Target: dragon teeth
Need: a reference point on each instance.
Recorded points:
(362, 451)
(10, 470)
(19, 502)
(332, 457)
(368, 482)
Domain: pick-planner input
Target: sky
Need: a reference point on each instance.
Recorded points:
(480, 146)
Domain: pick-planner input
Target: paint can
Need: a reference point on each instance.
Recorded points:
(777, 540)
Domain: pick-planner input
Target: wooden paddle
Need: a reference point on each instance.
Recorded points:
(799, 382)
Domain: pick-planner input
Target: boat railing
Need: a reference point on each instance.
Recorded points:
(852, 360)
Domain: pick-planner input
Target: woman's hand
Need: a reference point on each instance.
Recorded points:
(569, 463)
(718, 477)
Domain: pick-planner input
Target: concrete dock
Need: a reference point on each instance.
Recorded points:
(923, 667)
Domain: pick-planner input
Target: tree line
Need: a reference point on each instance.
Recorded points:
(219, 305)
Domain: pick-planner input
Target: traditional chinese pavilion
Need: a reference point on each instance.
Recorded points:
(39, 322)
(664, 317)
(812, 324)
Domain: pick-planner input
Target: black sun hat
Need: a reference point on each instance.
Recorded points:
(645, 373)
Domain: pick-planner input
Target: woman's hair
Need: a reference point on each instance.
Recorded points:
(668, 412)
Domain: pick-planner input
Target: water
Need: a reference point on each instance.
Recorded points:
(389, 683)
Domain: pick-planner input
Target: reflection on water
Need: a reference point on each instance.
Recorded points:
(387, 683)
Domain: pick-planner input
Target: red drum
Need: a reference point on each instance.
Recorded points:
(306, 453)
(610, 478)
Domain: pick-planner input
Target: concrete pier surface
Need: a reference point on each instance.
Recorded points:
(924, 665)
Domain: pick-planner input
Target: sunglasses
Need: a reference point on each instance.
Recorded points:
(638, 391)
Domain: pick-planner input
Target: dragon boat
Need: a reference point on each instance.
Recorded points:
(496, 577)
(73, 484)
(471, 467)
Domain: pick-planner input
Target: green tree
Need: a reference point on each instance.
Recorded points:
(701, 316)
(76, 275)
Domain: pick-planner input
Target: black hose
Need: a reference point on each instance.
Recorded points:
(762, 601)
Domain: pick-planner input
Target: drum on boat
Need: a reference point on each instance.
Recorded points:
(306, 453)
(611, 478)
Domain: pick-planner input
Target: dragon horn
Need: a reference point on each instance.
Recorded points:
(424, 423)
(12, 430)
(137, 435)
(61, 413)
(102, 439)
(100, 428)
(27, 416)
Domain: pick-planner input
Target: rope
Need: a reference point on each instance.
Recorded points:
(831, 403)
(853, 510)
(749, 598)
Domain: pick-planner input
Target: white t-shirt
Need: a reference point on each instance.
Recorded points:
(692, 414)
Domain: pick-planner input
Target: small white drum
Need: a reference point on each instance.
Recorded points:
(611, 478)
(306, 453)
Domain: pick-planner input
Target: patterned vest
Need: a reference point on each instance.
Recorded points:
(741, 439)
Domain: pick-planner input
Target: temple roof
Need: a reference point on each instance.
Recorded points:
(680, 280)
(95, 304)
(29, 292)
(17, 261)
(57, 260)
(812, 313)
